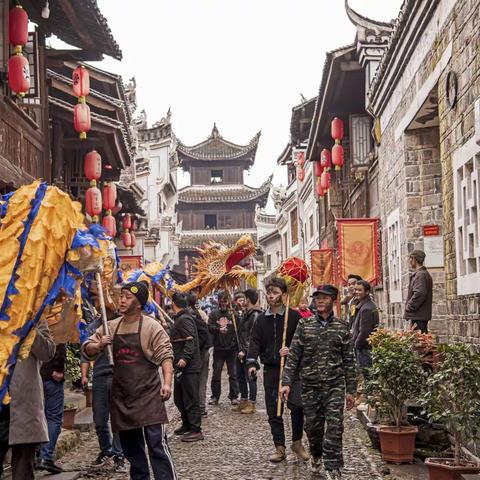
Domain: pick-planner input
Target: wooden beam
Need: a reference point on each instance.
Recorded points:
(63, 55)
(74, 20)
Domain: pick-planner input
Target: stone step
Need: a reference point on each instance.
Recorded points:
(84, 420)
(67, 441)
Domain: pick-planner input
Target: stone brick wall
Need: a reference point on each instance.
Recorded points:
(415, 168)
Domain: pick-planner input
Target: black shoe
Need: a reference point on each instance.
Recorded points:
(181, 430)
(49, 466)
(192, 437)
(119, 464)
(101, 460)
(213, 401)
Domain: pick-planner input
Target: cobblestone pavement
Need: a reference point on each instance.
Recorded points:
(236, 447)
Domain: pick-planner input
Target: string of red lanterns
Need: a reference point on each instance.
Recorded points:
(300, 166)
(109, 199)
(337, 149)
(18, 66)
(81, 112)
(93, 196)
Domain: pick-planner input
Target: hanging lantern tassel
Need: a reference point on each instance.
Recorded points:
(93, 201)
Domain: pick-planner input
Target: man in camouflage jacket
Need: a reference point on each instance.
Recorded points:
(322, 353)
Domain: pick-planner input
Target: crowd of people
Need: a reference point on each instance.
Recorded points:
(311, 357)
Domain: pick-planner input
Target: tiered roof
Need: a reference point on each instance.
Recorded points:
(190, 240)
(225, 193)
(216, 149)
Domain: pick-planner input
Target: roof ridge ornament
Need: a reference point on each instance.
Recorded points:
(367, 23)
(215, 133)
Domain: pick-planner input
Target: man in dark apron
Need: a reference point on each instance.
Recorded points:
(140, 346)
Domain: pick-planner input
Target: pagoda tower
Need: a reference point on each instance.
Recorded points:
(217, 205)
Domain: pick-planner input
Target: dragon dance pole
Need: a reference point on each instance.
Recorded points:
(282, 360)
(104, 315)
(234, 320)
(164, 313)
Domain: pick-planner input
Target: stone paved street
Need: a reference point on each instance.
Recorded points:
(236, 447)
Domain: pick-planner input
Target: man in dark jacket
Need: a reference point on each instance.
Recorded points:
(247, 384)
(365, 323)
(205, 344)
(187, 362)
(221, 326)
(418, 308)
(266, 343)
(53, 377)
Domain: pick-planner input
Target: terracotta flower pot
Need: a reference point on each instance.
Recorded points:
(397, 444)
(69, 418)
(444, 469)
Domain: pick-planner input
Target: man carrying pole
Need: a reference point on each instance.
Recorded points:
(268, 342)
(140, 346)
(322, 353)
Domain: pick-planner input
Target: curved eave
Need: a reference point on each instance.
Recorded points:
(365, 22)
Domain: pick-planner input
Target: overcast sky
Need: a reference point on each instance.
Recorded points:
(240, 63)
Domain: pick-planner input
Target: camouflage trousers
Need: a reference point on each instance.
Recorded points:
(323, 410)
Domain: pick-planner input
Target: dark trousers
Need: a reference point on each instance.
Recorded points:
(247, 385)
(271, 377)
(185, 396)
(220, 357)
(324, 424)
(23, 455)
(109, 444)
(54, 400)
(364, 362)
(202, 387)
(133, 446)
(421, 325)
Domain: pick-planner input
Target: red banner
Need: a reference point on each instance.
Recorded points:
(323, 267)
(358, 248)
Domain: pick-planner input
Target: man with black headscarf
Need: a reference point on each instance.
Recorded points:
(140, 346)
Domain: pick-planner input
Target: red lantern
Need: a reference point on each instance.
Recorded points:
(318, 188)
(133, 240)
(117, 208)
(127, 222)
(81, 81)
(337, 129)
(19, 74)
(337, 156)
(295, 268)
(325, 180)
(300, 174)
(109, 224)
(93, 165)
(18, 28)
(127, 239)
(325, 159)
(318, 169)
(109, 196)
(93, 201)
(81, 119)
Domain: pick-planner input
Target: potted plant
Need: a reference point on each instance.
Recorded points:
(453, 399)
(395, 377)
(69, 411)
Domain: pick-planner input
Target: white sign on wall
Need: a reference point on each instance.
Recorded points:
(433, 247)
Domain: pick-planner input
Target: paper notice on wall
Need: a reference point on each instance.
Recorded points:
(433, 247)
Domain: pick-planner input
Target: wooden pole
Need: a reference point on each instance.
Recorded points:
(164, 313)
(104, 315)
(234, 319)
(282, 360)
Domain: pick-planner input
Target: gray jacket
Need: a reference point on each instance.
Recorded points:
(27, 405)
(364, 323)
(420, 295)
